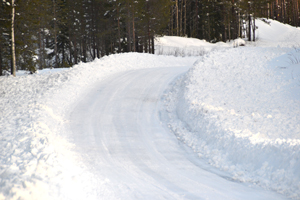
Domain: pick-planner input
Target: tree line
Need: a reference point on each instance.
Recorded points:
(37, 34)
(222, 20)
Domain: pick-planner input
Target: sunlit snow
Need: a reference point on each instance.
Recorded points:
(234, 114)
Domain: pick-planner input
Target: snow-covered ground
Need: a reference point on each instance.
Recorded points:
(35, 160)
(181, 46)
(237, 108)
(242, 115)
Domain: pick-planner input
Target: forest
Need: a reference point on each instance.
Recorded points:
(37, 34)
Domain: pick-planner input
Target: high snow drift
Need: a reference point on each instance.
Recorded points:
(234, 110)
(274, 33)
(180, 46)
(239, 109)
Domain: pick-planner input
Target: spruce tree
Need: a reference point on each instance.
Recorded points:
(5, 52)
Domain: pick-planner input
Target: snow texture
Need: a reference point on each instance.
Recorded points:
(242, 119)
(35, 160)
(237, 108)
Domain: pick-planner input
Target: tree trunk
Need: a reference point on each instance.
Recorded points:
(1, 68)
(119, 32)
(196, 21)
(70, 53)
(55, 35)
(75, 50)
(239, 25)
(283, 11)
(253, 28)
(225, 28)
(276, 10)
(98, 50)
(268, 10)
(63, 54)
(40, 46)
(13, 51)
(93, 35)
(229, 30)
(177, 20)
(185, 5)
(128, 28)
(84, 49)
(152, 42)
(296, 13)
(234, 23)
(249, 39)
(149, 38)
(172, 21)
(181, 15)
(133, 31)
(145, 44)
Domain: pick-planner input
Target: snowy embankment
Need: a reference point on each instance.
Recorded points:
(180, 46)
(242, 119)
(239, 110)
(35, 160)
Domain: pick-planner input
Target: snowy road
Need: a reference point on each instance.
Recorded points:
(117, 131)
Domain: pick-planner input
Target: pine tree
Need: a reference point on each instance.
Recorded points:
(27, 34)
(4, 36)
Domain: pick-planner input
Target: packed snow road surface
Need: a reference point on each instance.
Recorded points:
(117, 130)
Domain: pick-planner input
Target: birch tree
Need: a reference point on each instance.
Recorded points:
(13, 50)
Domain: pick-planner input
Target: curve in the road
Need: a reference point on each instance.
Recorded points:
(118, 133)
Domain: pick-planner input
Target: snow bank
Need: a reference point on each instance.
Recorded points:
(176, 41)
(239, 110)
(181, 46)
(274, 33)
(269, 33)
(36, 162)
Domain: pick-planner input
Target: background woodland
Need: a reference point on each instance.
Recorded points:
(37, 34)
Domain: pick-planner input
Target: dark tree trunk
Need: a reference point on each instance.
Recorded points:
(119, 30)
(181, 15)
(55, 34)
(1, 65)
(13, 52)
(172, 22)
(177, 18)
(185, 5)
(249, 39)
(128, 28)
(145, 44)
(149, 39)
(152, 42)
(84, 50)
(133, 32)
(75, 51)
(254, 29)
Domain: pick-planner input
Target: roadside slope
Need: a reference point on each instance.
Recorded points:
(239, 110)
(35, 160)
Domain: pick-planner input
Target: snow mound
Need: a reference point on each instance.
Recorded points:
(239, 109)
(273, 33)
(176, 41)
(36, 162)
(182, 46)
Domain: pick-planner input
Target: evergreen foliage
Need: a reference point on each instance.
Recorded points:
(61, 33)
